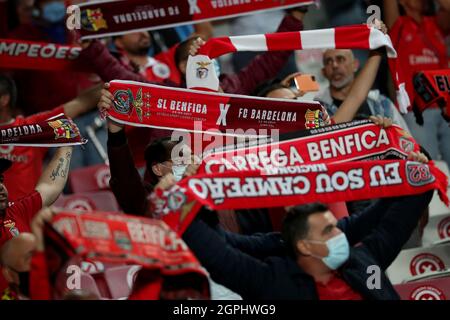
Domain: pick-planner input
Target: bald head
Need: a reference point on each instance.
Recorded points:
(17, 253)
(339, 67)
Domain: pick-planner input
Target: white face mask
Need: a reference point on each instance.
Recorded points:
(178, 171)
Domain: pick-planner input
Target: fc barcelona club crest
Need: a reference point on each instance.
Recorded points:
(92, 20)
(202, 70)
(313, 119)
(64, 129)
(11, 226)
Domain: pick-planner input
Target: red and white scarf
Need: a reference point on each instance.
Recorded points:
(22, 54)
(432, 89)
(201, 75)
(102, 239)
(146, 105)
(287, 186)
(54, 132)
(101, 19)
(331, 155)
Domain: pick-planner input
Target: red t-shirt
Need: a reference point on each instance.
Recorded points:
(18, 216)
(23, 175)
(336, 289)
(419, 47)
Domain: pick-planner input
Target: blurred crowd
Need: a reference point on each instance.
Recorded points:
(351, 85)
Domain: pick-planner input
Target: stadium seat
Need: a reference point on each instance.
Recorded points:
(419, 261)
(437, 207)
(120, 280)
(426, 289)
(444, 168)
(89, 201)
(94, 178)
(437, 229)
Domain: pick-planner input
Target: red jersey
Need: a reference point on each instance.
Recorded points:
(26, 169)
(419, 46)
(17, 217)
(336, 289)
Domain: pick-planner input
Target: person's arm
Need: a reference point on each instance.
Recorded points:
(360, 89)
(204, 29)
(235, 270)
(260, 245)
(54, 178)
(390, 12)
(105, 65)
(358, 226)
(84, 102)
(401, 217)
(264, 66)
(125, 182)
(443, 16)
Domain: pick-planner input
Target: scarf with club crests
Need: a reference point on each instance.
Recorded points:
(54, 132)
(147, 105)
(101, 19)
(288, 186)
(326, 155)
(200, 73)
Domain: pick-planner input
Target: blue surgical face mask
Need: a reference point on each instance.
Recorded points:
(54, 11)
(216, 67)
(338, 251)
(178, 171)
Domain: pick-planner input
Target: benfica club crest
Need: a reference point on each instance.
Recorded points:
(11, 226)
(313, 119)
(176, 200)
(64, 129)
(124, 102)
(92, 20)
(406, 145)
(122, 240)
(202, 70)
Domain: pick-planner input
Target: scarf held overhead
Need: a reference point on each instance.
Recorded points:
(109, 18)
(104, 239)
(146, 105)
(287, 186)
(432, 89)
(200, 73)
(21, 54)
(357, 140)
(54, 132)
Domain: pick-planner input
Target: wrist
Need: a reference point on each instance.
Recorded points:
(377, 52)
(114, 127)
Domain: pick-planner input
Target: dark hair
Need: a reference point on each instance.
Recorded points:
(8, 86)
(295, 225)
(264, 89)
(182, 51)
(157, 152)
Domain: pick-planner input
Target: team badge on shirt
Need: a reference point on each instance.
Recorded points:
(11, 226)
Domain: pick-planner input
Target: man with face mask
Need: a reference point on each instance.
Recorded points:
(325, 259)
